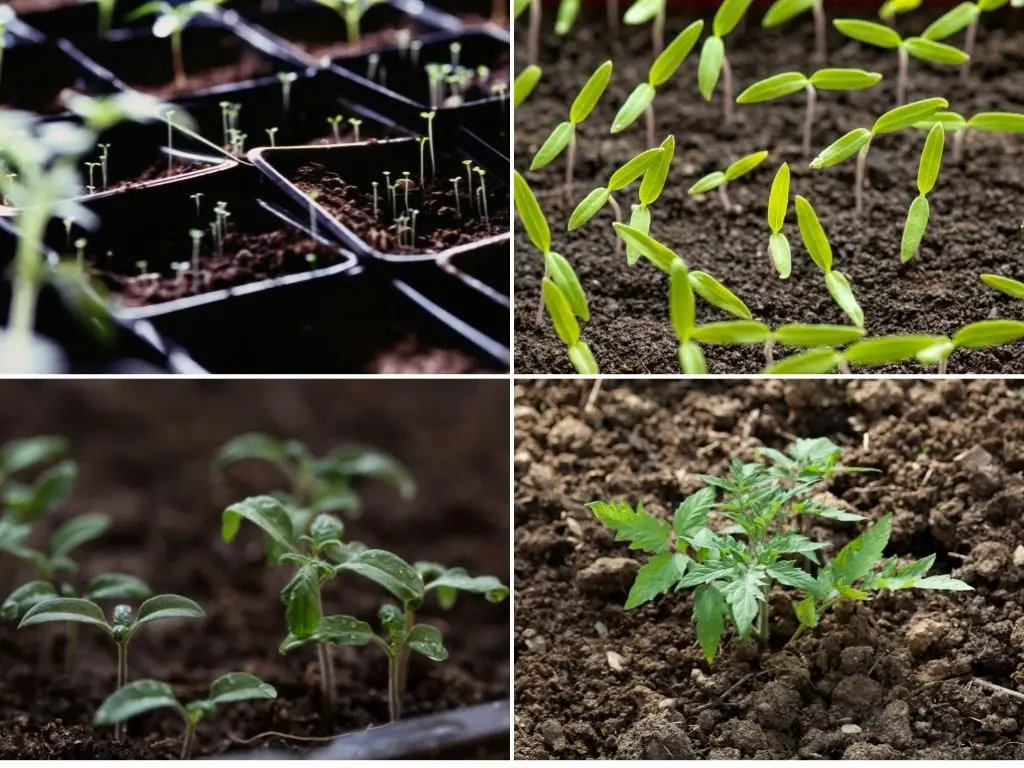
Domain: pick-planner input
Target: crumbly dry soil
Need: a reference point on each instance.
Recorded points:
(890, 678)
(976, 206)
(144, 451)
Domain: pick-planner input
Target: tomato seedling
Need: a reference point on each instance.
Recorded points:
(171, 21)
(720, 179)
(713, 61)
(918, 214)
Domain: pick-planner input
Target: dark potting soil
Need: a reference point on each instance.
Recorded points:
(889, 678)
(974, 227)
(409, 357)
(246, 258)
(439, 223)
(144, 450)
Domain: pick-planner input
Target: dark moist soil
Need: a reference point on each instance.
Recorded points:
(890, 678)
(439, 225)
(974, 227)
(247, 258)
(144, 450)
(409, 357)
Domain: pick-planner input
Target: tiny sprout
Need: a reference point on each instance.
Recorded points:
(786, 83)
(720, 179)
(105, 154)
(412, 228)
(286, 79)
(92, 169)
(458, 205)
(927, 173)
(455, 49)
(80, 252)
(641, 100)
(180, 268)
(311, 260)
(881, 36)
(483, 191)
(351, 12)
(372, 62)
(355, 123)
(713, 61)
(334, 122)
(782, 11)
(564, 134)
(141, 265)
(859, 140)
(429, 117)
(270, 134)
(817, 245)
(422, 141)
(147, 695)
(469, 177)
(198, 196)
(375, 185)
(121, 629)
(171, 22)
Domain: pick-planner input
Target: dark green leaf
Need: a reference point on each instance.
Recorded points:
(168, 607)
(788, 574)
(692, 514)
(389, 571)
(266, 513)
(252, 446)
(345, 463)
(709, 612)
(239, 686)
(65, 609)
(856, 559)
(134, 699)
(457, 578)
(22, 454)
(743, 596)
(534, 223)
(301, 597)
(24, 597)
(51, 488)
(641, 529)
(705, 573)
(77, 531)
(117, 586)
(428, 641)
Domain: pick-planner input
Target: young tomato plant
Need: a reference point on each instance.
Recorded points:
(318, 484)
(713, 61)
(564, 134)
(732, 569)
(171, 21)
(782, 11)
(720, 179)
(965, 14)
(351, 12)
(858, 141)
(121, 629)
(642, 11)
(147, 695)
(927, 173)
(777, 86)
(817, 245)
(641, 100)
(881, 36)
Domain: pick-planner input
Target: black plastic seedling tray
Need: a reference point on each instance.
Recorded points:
(80, 21)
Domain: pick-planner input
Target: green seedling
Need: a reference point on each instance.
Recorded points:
(146, 695)
(890, 350)
(121, 629)
(713, 61)
(782, 11)
(643, 11)
(197, 236)
(7, 15)
(720, 179)
(986, 122)
(375, 186)
(858, 141)
(778, 204)
(732, 570)
(524, 84)
(271, 133)
(429, 117)
(334, 122)
(171, 22)
(557, 269)
(351, 12)
(355, 122)
(816, 242)
(881, 36)
(286, 79)
(625, 175)
(641, 100)
(703, 284)
(777, 86)
(966, 14)
(316, 484)
(564, 134)
(918, 214)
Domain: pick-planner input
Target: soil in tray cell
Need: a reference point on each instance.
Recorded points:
(144, 451)
(441, 222)
(974, 226)
(909, 674)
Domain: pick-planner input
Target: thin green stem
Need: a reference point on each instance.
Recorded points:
(190, 737)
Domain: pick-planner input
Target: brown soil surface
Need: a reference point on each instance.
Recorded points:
(247, 258)
(144, 450)
(890, 678)
(439, 224)
(975, 221)
(409, 357)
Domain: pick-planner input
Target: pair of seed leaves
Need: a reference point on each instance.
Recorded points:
(782, 11)
(881, 36)
(890, 122)
(892, 8)
(579, 111)
(887, 350)
(653, 165)
(715, 179)
(986, 122)
(682, 311)
(785, 83)
(920, 210)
